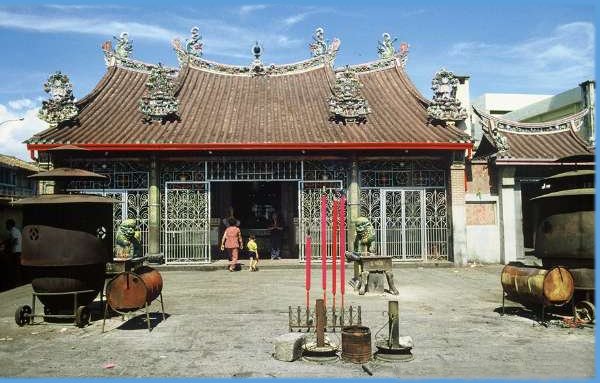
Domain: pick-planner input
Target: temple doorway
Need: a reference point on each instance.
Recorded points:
(253, 204)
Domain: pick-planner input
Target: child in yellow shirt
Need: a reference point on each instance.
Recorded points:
(253, 252)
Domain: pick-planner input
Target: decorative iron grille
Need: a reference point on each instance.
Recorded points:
(186, 222)
(182, 171)
(409, 173)
(121, 174)
(410, 224)
(254, 170)
(310, 214)
(132, 204)
(325, 170)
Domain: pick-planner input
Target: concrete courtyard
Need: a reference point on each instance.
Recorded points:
(222, 324)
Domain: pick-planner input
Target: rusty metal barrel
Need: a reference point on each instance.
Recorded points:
(130, 291)
(356, 344)
(529, 284)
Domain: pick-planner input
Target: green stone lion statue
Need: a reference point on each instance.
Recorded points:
(128, 245)
(365, 235)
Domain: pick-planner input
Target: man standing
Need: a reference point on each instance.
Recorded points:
(14, 247)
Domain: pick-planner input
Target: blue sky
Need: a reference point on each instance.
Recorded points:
(534, 47)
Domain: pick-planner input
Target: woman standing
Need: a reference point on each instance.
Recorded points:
(232, 242)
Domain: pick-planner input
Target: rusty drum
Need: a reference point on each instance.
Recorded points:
(130, 291)
(529, 284)
(356, 344)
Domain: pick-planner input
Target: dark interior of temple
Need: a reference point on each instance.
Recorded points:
(253, 205)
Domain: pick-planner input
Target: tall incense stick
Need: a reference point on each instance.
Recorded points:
(342, 218)
(324, 246)
(307, 258)
(334, 250)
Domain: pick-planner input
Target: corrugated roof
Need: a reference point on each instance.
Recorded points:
(222, 108)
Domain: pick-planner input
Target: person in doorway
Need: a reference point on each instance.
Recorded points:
(232, 243)
(276, 229)
(228, 217)
(252, 252)
(13, 247)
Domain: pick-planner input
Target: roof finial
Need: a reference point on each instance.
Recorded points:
(256, 51)
(346, 104)
(319, 46)
(257, 65)
(60, 107)
(193, 45)
(159, 102)
(445, 106)
(385, 48)
(123, 47)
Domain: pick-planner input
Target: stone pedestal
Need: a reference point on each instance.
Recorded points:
(376, 283)
(288, 347)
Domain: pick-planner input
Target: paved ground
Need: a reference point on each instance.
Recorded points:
(222, 324)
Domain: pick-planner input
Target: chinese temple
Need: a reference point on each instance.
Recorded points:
(185, 147)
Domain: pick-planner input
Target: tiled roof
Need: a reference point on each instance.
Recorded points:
(224, 108)
(547, 141)
(17, 163)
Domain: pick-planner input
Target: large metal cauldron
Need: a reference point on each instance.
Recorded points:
(67, 240)
(528, 284)
(565, 220)
(130, 291)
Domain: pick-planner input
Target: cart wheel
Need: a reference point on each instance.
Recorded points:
(22, 315)
(82, 316)
(584, 311)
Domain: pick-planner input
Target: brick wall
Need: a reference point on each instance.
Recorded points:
(457, 184)
(481, 179)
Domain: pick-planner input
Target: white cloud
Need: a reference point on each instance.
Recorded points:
(86, 25)
(560, 60)
(21, 104)
(13, 133)
(246, 9)
(295, 19)
(82, 7)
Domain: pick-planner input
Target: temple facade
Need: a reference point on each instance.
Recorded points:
(186, 147)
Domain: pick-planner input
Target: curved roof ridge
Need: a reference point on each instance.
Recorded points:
(571, 122)
(256, 68)
(113, 59)
(370, 66)
(265, 70)
(412, 88)
(104, 81)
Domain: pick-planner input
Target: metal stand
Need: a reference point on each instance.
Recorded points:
(81, 316)
(320, 351)
(389, 349)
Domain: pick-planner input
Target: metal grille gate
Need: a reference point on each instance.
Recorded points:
(187, 208)
(132, 204)
(403, 229)
(413, 224)
(310, 213)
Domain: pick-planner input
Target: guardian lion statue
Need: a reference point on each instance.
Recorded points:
(365, 261)
(128, 245)
(365, 235)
